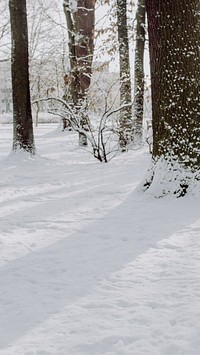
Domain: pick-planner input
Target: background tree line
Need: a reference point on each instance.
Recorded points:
(173, 32)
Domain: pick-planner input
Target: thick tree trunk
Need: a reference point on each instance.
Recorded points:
(22, 117)
(80, 23)
(175, 75)
(175, 72)
(139, 72)
(126, 121)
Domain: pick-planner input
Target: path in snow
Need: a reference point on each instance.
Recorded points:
(84, 267)
(49, 198)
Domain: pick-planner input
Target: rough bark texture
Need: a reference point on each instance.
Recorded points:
(80, 23)
(139, 72)
(22, 118)
(174, 36)
(126, 121)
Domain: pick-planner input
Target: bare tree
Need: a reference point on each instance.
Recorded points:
(102, 131)
(139, 72)
(22, 117)
(80, 23)
(4, 29)
(47, 59)
(126, 121)
(5, 25)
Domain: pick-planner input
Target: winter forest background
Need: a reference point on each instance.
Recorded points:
(100, 177)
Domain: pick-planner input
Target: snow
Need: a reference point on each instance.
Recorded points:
(89, 263)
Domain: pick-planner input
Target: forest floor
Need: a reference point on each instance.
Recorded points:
(89, 264)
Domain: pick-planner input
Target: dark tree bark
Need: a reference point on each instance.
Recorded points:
(174, 36)
(139, 72)
(126, 120)
(80, 24)
(22, 117)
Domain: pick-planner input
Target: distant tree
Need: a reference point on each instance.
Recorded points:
(4, 29)
(126, 121)
(47, 59)
(174, 36)
(80, 19)
(139, 72)
(23, 137)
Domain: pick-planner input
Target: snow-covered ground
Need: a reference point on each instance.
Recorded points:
(89, 264)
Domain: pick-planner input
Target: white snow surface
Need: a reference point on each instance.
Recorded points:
(90, 264)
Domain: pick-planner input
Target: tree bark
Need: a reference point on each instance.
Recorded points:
(23, 137)
(175, 72)
(80, 24)
(126, 121)
(174, 36)
(139, 72)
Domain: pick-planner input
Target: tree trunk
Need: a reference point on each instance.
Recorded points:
(80, 24)
(126, 122)
(22, 117)
(175, 72)
(139, 72)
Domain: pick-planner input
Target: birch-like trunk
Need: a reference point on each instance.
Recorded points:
(139, 72)
(126, 120)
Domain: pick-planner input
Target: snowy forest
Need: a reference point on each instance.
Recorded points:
(100, 177)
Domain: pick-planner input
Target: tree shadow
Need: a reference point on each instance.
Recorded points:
(40, 284)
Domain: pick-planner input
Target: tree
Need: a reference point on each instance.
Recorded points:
(80, 17)
(4, 29)
(23, 137)
(126, 122)
(139, 72)
(173, 28)
(47, 59)
(101, 131)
